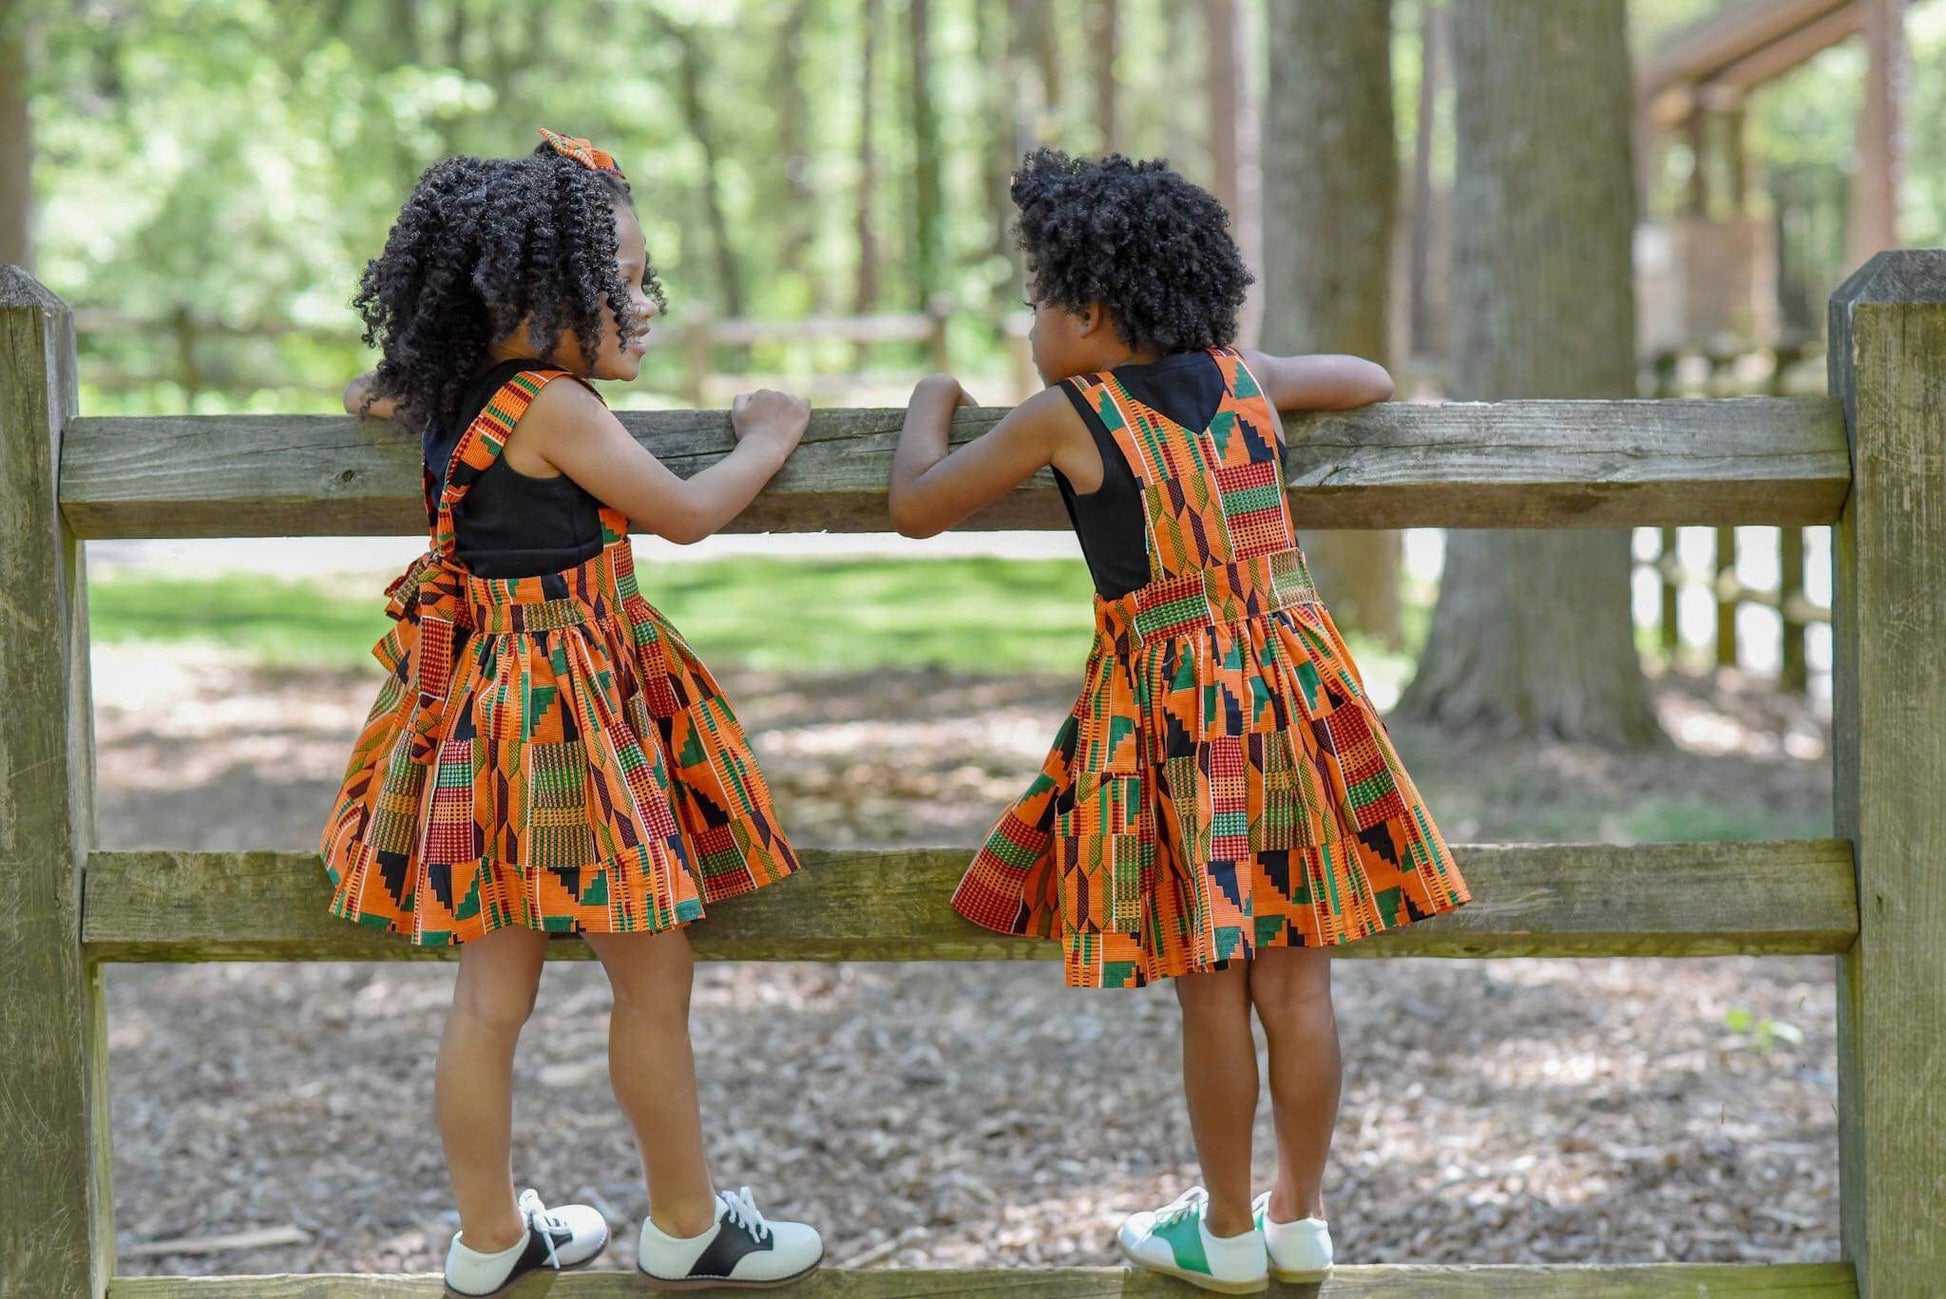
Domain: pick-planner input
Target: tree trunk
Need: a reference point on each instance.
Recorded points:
(1000, 73)
(793, 129)
(1533, 632)
(16, 151)
(690, 77)
(456, 36)
(1047, 49)
(1104, 26)
(1435, 38)
(927, 203)
(1225, 99)
(1235, 170)
(1330, 164)
(867, 295)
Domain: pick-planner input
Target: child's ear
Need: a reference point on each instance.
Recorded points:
(1094, 319)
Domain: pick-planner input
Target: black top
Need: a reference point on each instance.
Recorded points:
(510, 524)
(1188, 388)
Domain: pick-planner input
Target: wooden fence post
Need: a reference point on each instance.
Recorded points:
(1729, 593)
(1888, 365)
(56, 1217)
(939, 311)
(1792, 667)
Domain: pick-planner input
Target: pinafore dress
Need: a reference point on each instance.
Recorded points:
(545, 752)
(1223, 784)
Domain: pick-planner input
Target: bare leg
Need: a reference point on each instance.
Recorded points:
(473, 1080)
(1291, 989)
(1219, 1078)
(653, 1071)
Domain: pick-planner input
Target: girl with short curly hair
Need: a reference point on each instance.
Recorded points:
(546, 757)
(1223, 805)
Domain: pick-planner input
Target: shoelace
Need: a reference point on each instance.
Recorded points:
(537, 1215)
(1190, 1201)
(740, 1209)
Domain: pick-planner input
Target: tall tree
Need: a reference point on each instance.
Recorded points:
(866, 296)
(996, 51)
(1434, 39)
(1330, 162)
(691, 78)
(16, 146)
(927, 203)
(1104, 32)
(793, 145)
(1234, 143)
(1533, 631)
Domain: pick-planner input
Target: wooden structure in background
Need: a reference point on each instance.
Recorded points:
(1707, 277)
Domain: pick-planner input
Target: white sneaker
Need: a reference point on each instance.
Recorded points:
(1299, 1251)
(1175, 1240)
(741, 1248)
(557, 1239)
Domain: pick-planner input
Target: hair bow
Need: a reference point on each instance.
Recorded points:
(582, 151)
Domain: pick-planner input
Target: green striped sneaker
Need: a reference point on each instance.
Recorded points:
(1299, 1251)
(1174, 1240)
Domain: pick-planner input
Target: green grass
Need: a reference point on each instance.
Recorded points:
(968, 614)
(274, 622)
(832, 615)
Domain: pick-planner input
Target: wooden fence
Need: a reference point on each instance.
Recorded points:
(1797, 613)
(1874, 897)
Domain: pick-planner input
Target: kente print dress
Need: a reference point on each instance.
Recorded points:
(1223, 784)
(546, 750)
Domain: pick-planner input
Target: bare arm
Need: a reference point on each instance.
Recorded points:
(359, 399)
(569, 429)
(1320, 382)
(932, 490)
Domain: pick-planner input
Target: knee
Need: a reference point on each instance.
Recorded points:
(1291, 986)
(649, 975)
(497, 1005)
(1213, 991)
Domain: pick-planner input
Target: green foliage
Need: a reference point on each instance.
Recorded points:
(1763, 1033)
(241, 159)
(835, 614)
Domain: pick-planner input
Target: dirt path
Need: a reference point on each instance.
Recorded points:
(1495, 1111)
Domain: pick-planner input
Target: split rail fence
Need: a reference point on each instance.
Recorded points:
(1870, 460)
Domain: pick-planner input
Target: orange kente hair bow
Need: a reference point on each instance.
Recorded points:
(582, 151)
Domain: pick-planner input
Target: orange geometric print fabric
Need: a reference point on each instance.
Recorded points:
(1223, 783)
(545, 751)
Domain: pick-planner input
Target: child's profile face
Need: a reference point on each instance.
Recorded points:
(1058, 344)
(622, 342)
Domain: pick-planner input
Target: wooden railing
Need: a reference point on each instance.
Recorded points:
(67, 908)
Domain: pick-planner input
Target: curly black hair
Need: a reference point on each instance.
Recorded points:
(483, 244)
(1153, 249)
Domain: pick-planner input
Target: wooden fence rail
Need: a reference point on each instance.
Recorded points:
(1870, 461)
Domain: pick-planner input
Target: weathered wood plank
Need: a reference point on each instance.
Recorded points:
(1393, 1281)
(1699, 899)
(1501, 464)
(56, 1223)
(1888, 335)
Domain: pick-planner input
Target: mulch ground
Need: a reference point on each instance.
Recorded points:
(952, 1115)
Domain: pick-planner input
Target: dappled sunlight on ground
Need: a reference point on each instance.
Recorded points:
(951, 1115)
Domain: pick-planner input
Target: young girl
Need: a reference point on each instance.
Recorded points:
(1223, 805)
(547, 757)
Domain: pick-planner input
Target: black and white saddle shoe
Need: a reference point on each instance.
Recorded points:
(741, 1248)
(557, 1240)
